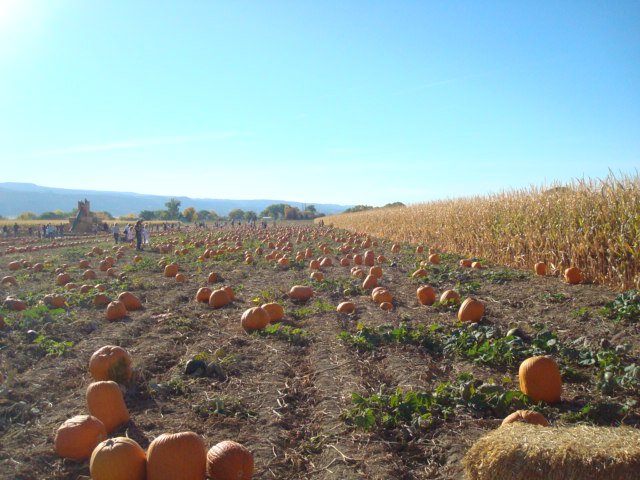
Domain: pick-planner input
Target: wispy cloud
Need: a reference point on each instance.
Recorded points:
(138, 143)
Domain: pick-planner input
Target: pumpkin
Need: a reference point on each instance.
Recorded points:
(111, 363)
(477, 265)
(450, 296)
(300, 292)
(111, 272)
(130, 301)
(345, 262)
(434, 258)
(395, 248)
(381, 295)
(118, 458)
(466, 262)
(171, 270)
(471, 310)
(116, 310)
(419, 249)
(421, 272)
(177, 456)
(212, 278)
(275, 311)
(218, 298)
(346, 307)
(180, 277)
(54, 301)
(540, 268)
(357, 259)
(540, 379)
(573, 275)
(229, 291)
(284, 262)
(386, 306)
(229, 460)
(255, 318)
(203, 294)
(78, 436)
(84, 264)
(101, 299)
(14, 304)
(370, 282)
(9, 280)
(100, 287)
(526, 416)
(16, 265)
(86, 288)
(317, 276)
(137, 259)
(426, 295)
(63, 279)
(376, 271)
(38, 267)
(326, 262)
(105, 402)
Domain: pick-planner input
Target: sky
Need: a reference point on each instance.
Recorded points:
(348, 102)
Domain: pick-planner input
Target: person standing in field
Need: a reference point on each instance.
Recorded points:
(138, 229)
(145, 234)
(116, 232)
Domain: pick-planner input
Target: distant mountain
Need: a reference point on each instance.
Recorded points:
(16, 198)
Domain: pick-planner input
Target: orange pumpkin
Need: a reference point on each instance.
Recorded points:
(275, 311)
(63, 279)
(317, 276)
(229, 460)
(255, 318)
(180, 277)
(171, 270)
(9, 280)
(526, 416)
(119, 458)
(434, 258)
(229, 291)
(203, 294)
(421, 272)
(477, 265)
(218, 298)
(540, 379)
(300, 292)
(115, 311)
(111, 363)
(540, 268)
(105, 402)
(78, 436)
(471, 310)
(54, 301)
(376, 271)
(381, 295)
(177, 456)
(212, 278)
(370, 282)
(426, 295)
(130, 301)
(450, 296)
(573, 275)
(387, 306)
(14, 304)
(326, 262)
(346, 307)
(100, 300)
(466, 262)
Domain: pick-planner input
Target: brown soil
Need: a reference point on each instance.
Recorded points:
(284, 401)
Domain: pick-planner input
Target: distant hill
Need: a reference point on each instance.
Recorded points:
(16, 198)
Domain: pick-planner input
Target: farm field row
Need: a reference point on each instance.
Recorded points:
(401, 392)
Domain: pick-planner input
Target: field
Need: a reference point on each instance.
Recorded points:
(594, 224)
(398, 394)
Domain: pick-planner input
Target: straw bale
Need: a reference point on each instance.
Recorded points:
(521, 451)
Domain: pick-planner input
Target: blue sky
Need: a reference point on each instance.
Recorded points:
(317, 101)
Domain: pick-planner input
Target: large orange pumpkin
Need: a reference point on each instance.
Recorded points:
(203, 294)
(255, 318)
(229, 460)
(573, 275)
(300, 292)
(77, 437)
(450, 296)
(63, 279)
(116, 310)
(346, 307)
(130, 301)
(426, 295)
(119, 458)
(275, 311)
(471, 310)
(381, 295)
(111, 363)
(171, 270)
(218, 298)
(526, 416)
(105, 402)
(540, 379)
(177, 456)
(540, 268)
(370, 281)
(101, 299)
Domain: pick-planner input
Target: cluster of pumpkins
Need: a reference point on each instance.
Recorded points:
(171, 456)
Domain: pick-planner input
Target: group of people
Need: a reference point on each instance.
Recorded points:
(40, 231)
(139, 231)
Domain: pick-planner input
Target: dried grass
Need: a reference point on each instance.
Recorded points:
(592, 224)
(521, 451)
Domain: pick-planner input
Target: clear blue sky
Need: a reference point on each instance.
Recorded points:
(317, 101)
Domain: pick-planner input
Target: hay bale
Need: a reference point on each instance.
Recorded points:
(521, 451)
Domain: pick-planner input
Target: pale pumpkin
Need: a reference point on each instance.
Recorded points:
(526, 416)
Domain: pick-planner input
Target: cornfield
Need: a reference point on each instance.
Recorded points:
(591, 224)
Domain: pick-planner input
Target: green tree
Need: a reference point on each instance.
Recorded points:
(54, 215)
(358, 208)
(190, 214)
(27, 216)
(292, 213)
(275, 210)
(173, 209)
(310, 208)
(394, 204)
(148, 215)
(236, 214)
(250, 216)
(203, 215)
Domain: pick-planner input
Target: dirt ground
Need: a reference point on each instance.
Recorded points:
(284, 395)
